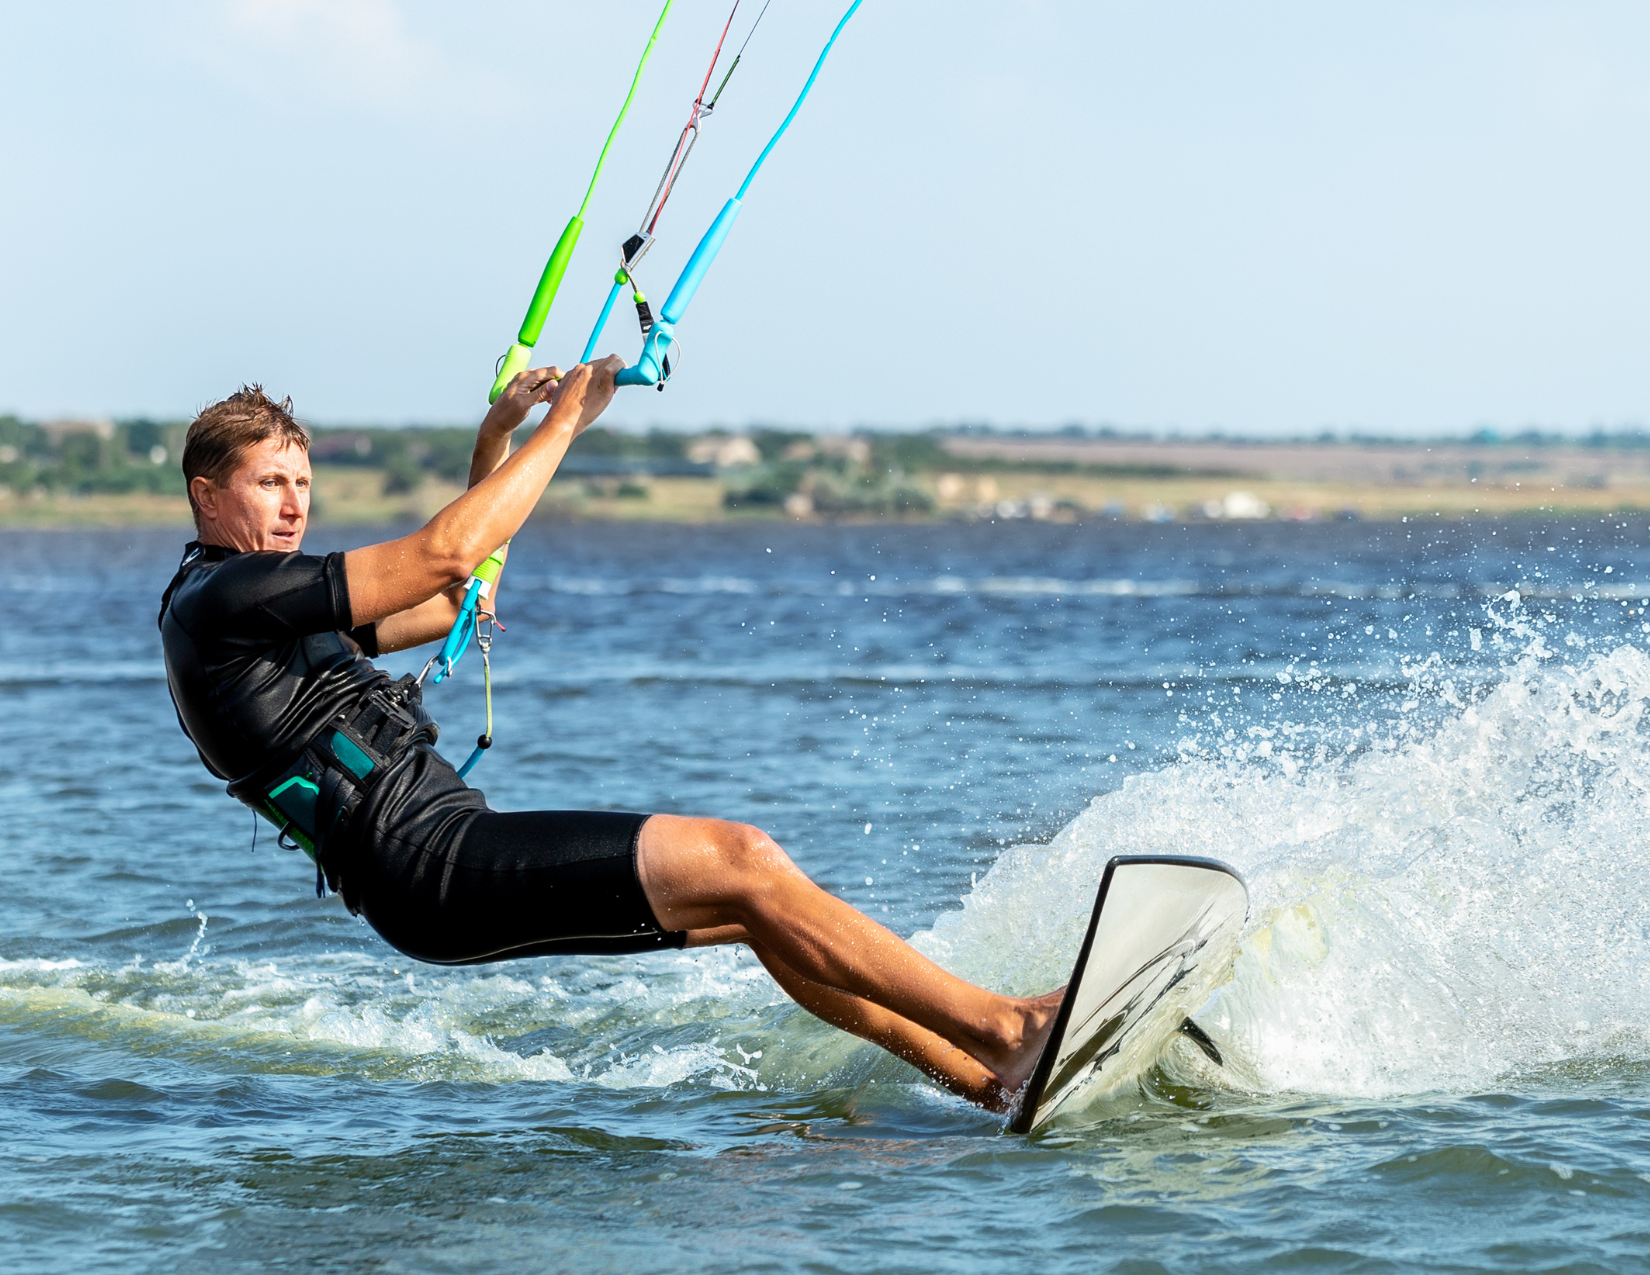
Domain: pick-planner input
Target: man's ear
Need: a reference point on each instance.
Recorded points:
(205, 493)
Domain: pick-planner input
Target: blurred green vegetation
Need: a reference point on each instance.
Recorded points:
(657, 444)
(142, 455)
(858, 474)
(84, 457)
(406, 456)
(836, 475)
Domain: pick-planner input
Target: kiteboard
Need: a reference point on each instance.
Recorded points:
(1163, 935)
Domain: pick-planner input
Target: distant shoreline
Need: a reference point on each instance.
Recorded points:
(354, 497)
(78, 474)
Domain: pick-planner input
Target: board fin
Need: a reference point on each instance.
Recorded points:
(1200, 1038)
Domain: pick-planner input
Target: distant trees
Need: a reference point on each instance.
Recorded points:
(83, 457)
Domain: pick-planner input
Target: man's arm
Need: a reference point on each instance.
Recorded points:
(397, 583)
(432, 620)
(417, 625)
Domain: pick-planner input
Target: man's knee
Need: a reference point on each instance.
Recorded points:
(747, 854)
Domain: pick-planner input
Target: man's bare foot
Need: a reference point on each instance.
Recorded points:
(1038, 1013)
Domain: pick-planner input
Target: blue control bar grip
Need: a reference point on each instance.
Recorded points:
(693, 273)
(635, 376)
(649, 367)
(458, 639)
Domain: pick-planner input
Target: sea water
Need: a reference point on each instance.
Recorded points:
(1425, 746)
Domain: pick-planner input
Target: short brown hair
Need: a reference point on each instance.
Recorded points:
(220, 435)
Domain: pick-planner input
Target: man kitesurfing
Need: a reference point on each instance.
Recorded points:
(268, 656)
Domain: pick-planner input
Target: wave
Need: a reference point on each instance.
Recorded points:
(89, 672)
(357, 1013)
(1104, 587)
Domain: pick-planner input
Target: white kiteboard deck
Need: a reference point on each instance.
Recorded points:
(1163, 935)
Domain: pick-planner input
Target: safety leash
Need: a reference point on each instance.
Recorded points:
(651, 367)
(484, 644)
(472, 617)
(517, 356)
(476, 591)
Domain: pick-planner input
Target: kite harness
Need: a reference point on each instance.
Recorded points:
(650, 368)
(516, 357)
(311, 796)
(635, 248)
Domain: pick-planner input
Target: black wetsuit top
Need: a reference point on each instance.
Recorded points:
(260, 653)
(260, 656)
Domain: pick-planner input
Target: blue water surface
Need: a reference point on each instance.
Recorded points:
(1423, 744)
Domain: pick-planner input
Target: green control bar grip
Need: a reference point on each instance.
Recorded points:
(491, 568)
(538, 310)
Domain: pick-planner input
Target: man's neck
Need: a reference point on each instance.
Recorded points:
(212, 536)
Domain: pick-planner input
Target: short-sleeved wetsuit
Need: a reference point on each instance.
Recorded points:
(260, 656)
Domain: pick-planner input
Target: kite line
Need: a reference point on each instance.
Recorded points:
(517, 356)
(635, 248)
(649, 368)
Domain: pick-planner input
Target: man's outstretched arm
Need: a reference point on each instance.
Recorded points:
(406, 575)
(433, 620)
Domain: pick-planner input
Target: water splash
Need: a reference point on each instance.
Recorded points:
(1432, 909)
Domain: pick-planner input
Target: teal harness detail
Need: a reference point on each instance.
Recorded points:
(310, 798)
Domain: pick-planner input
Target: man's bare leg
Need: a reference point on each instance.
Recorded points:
(936, 1057)
(711, 875)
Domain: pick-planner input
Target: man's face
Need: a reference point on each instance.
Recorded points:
(263, 505)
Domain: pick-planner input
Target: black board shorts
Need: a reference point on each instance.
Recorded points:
(446, 880)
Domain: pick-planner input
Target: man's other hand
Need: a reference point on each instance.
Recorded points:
(526, 390)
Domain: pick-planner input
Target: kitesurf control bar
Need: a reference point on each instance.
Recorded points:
(475, 593)
(649, 367)
(517, 356)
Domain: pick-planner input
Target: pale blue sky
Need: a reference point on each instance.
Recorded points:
(1409, 216)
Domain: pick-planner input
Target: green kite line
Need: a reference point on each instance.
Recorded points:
(517, 356)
